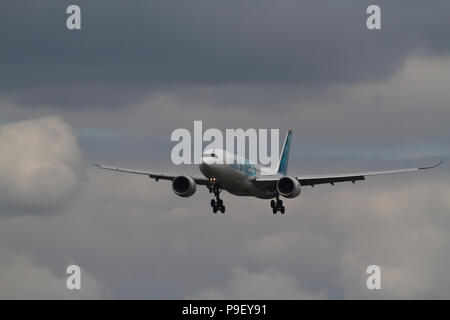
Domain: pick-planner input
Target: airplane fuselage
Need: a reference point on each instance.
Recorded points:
(236, 178)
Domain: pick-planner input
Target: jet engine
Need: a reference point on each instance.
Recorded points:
(184, 186)
(288, 187)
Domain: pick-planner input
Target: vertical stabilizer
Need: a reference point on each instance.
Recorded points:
(284, 156)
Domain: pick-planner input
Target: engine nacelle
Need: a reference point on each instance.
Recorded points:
(288, 187)
(184, 186)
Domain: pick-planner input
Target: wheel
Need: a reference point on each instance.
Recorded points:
(220, 202)
(274, 210)
(282, 210)
(213, 203)
(280, 203)
(222, 209)
(215, 209)
(272, 203)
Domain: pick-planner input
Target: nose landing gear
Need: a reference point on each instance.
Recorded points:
(277, 205)
(217, 204)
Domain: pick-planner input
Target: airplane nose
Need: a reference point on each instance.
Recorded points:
(207, 160)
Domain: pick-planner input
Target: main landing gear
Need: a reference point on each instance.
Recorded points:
(217, 204)
(277, 206)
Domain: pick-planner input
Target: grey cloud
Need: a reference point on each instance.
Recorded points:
(156, 45)
(40, 165)
(406, 116)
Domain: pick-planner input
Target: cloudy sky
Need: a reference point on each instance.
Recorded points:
(115, 90)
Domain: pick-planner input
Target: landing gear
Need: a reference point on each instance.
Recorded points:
(277, 206)
(217, 204)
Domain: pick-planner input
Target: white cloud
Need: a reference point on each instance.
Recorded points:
(40, 163)
(267, 284)
(20, 278)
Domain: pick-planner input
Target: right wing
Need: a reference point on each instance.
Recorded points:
(312, 180)
(155, 175)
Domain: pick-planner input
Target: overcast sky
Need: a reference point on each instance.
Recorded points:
(115, 90)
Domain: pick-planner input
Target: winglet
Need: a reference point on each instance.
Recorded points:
(431, 167)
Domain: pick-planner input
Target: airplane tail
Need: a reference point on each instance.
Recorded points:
(284, 156)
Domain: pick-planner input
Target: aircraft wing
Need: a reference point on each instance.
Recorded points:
(312, 180)
(154, 175)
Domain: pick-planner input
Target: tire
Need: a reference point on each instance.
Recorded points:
(215, 209)
(220, 202)
(282, 210)
(274, 210)
(222, 209)
(213, 203)
(272, 204)
(280, 203)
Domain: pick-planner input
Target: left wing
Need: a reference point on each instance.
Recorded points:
(155, 175)
(311, 180)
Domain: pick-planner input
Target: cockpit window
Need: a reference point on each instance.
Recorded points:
(210, 155)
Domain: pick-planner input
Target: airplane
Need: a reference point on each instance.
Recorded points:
(223, 170)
